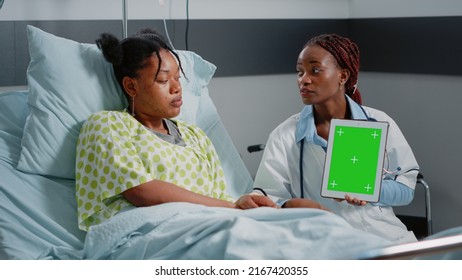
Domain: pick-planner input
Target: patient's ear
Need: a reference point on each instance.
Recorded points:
(129, 85)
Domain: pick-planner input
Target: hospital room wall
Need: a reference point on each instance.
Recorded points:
(424, 105)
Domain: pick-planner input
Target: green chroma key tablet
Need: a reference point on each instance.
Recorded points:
(354, 159)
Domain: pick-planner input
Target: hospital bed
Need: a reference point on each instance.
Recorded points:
(67, 81)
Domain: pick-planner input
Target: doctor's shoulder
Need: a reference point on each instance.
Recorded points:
(379, 115)
(394, 131)
(286, 128)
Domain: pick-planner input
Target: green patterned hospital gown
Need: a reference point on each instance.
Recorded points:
(115, 152)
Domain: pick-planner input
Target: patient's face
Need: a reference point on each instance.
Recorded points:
(318, 75)
(161, 96)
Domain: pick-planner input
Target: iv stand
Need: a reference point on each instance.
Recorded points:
(124, 21)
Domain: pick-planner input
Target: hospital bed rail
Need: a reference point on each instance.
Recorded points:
(424, 249)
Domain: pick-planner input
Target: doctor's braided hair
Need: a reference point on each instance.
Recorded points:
(346, 53)
(129, 55)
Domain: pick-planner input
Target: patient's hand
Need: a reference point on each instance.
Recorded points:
(249, 201)
(304, 203)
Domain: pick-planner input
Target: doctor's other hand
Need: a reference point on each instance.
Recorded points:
(353, 201)
(303, 203)
(249, 201)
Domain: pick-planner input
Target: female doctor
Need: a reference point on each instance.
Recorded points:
(327, 70)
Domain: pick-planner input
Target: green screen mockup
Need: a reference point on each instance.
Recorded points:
(356, 160)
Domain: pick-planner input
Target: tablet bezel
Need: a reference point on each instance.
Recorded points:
(383, 127)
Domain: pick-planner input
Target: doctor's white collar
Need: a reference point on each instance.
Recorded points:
(304, 130)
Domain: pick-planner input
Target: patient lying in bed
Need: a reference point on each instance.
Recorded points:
(145, 158)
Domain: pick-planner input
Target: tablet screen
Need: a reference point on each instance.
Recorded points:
(354, 159)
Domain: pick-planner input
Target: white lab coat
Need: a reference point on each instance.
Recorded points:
(278, 173)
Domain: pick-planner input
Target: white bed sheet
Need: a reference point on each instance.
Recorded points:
(36, 212)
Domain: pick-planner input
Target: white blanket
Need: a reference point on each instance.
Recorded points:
(188, 231)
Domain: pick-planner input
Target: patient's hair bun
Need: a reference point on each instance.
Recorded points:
(111, 48)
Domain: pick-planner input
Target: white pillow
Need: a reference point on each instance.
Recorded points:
(68, 81)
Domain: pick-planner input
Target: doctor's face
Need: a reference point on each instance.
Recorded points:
(319, 76)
